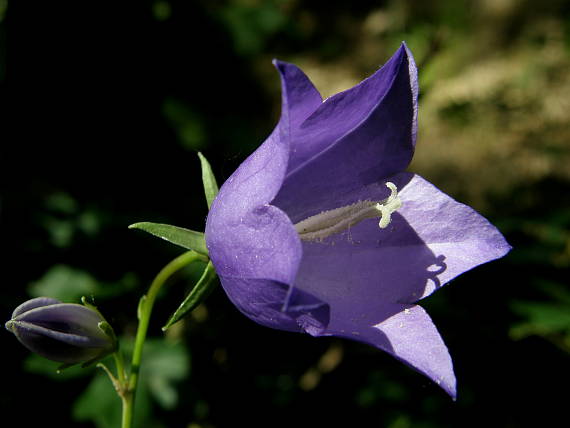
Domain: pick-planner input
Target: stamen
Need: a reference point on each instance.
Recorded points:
(334, 221)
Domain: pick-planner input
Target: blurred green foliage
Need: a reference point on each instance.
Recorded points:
(104, 106)
(166, 364)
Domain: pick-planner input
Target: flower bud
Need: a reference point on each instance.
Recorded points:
(64, 332)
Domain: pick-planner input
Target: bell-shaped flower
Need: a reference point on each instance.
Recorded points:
(321, 231)
(64, 332)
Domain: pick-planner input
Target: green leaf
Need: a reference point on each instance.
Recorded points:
(198, 294)
(186, 238)
(210, 184)
(99, 403)
(165, 364)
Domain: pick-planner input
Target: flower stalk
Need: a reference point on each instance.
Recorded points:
(146, 304)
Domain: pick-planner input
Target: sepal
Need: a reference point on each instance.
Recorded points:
(186, 238)
(210, 184)
(199, 293)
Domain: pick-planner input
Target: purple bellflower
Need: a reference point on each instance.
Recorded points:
(65, 332)
(321, 231)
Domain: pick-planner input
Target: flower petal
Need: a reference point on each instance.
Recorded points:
(253, 245)
(366, 272)
(33, 303)
(362, 275)
(261, 244)
(277, 305)
(414, 339)
(67, 318)
(353, 139)
(362, 289)
(302, 98)
(63, 347)
(430, 240)
(368, 275)
(460, 237)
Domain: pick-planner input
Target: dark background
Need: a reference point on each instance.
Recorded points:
(103, 107)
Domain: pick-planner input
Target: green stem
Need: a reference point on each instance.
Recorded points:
(144, 312)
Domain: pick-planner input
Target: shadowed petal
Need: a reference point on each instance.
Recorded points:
(413, 70)
(63, 332)
(253, 245)
(355, 138)
(58, 346)
(367, 275)
(415, 341)
(277, 305)
(66, 318)
(431, 239)
(243, 233)
(302, 97)
(460, 237)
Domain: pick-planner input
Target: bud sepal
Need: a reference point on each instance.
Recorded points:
(68, 333)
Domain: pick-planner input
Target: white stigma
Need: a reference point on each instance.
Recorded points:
(334, 221)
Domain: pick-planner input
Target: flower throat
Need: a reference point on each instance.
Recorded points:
(327, 223)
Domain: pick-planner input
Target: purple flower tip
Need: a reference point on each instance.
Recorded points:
(320, 230)
(63, 332)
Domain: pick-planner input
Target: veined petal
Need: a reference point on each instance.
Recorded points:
(407, 333)
(362, 274)
(262, 244)
(252, 244)
(66, 318)
(366, 272)
(277, 305)
(415, 340)
(33, 303)
(302, 98)
(371, 276)
(460, 237)
(362, 288)
(431, 239)
(355, 138)
(63, 347)
(415, 87)
(22, 329)
(64, 332)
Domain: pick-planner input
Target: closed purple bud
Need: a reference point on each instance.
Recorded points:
(65, 332)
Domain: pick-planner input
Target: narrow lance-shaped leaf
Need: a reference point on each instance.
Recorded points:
(185, 238)
(210, 184)
(198, 294)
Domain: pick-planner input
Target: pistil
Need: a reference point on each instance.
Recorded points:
(327, 223)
